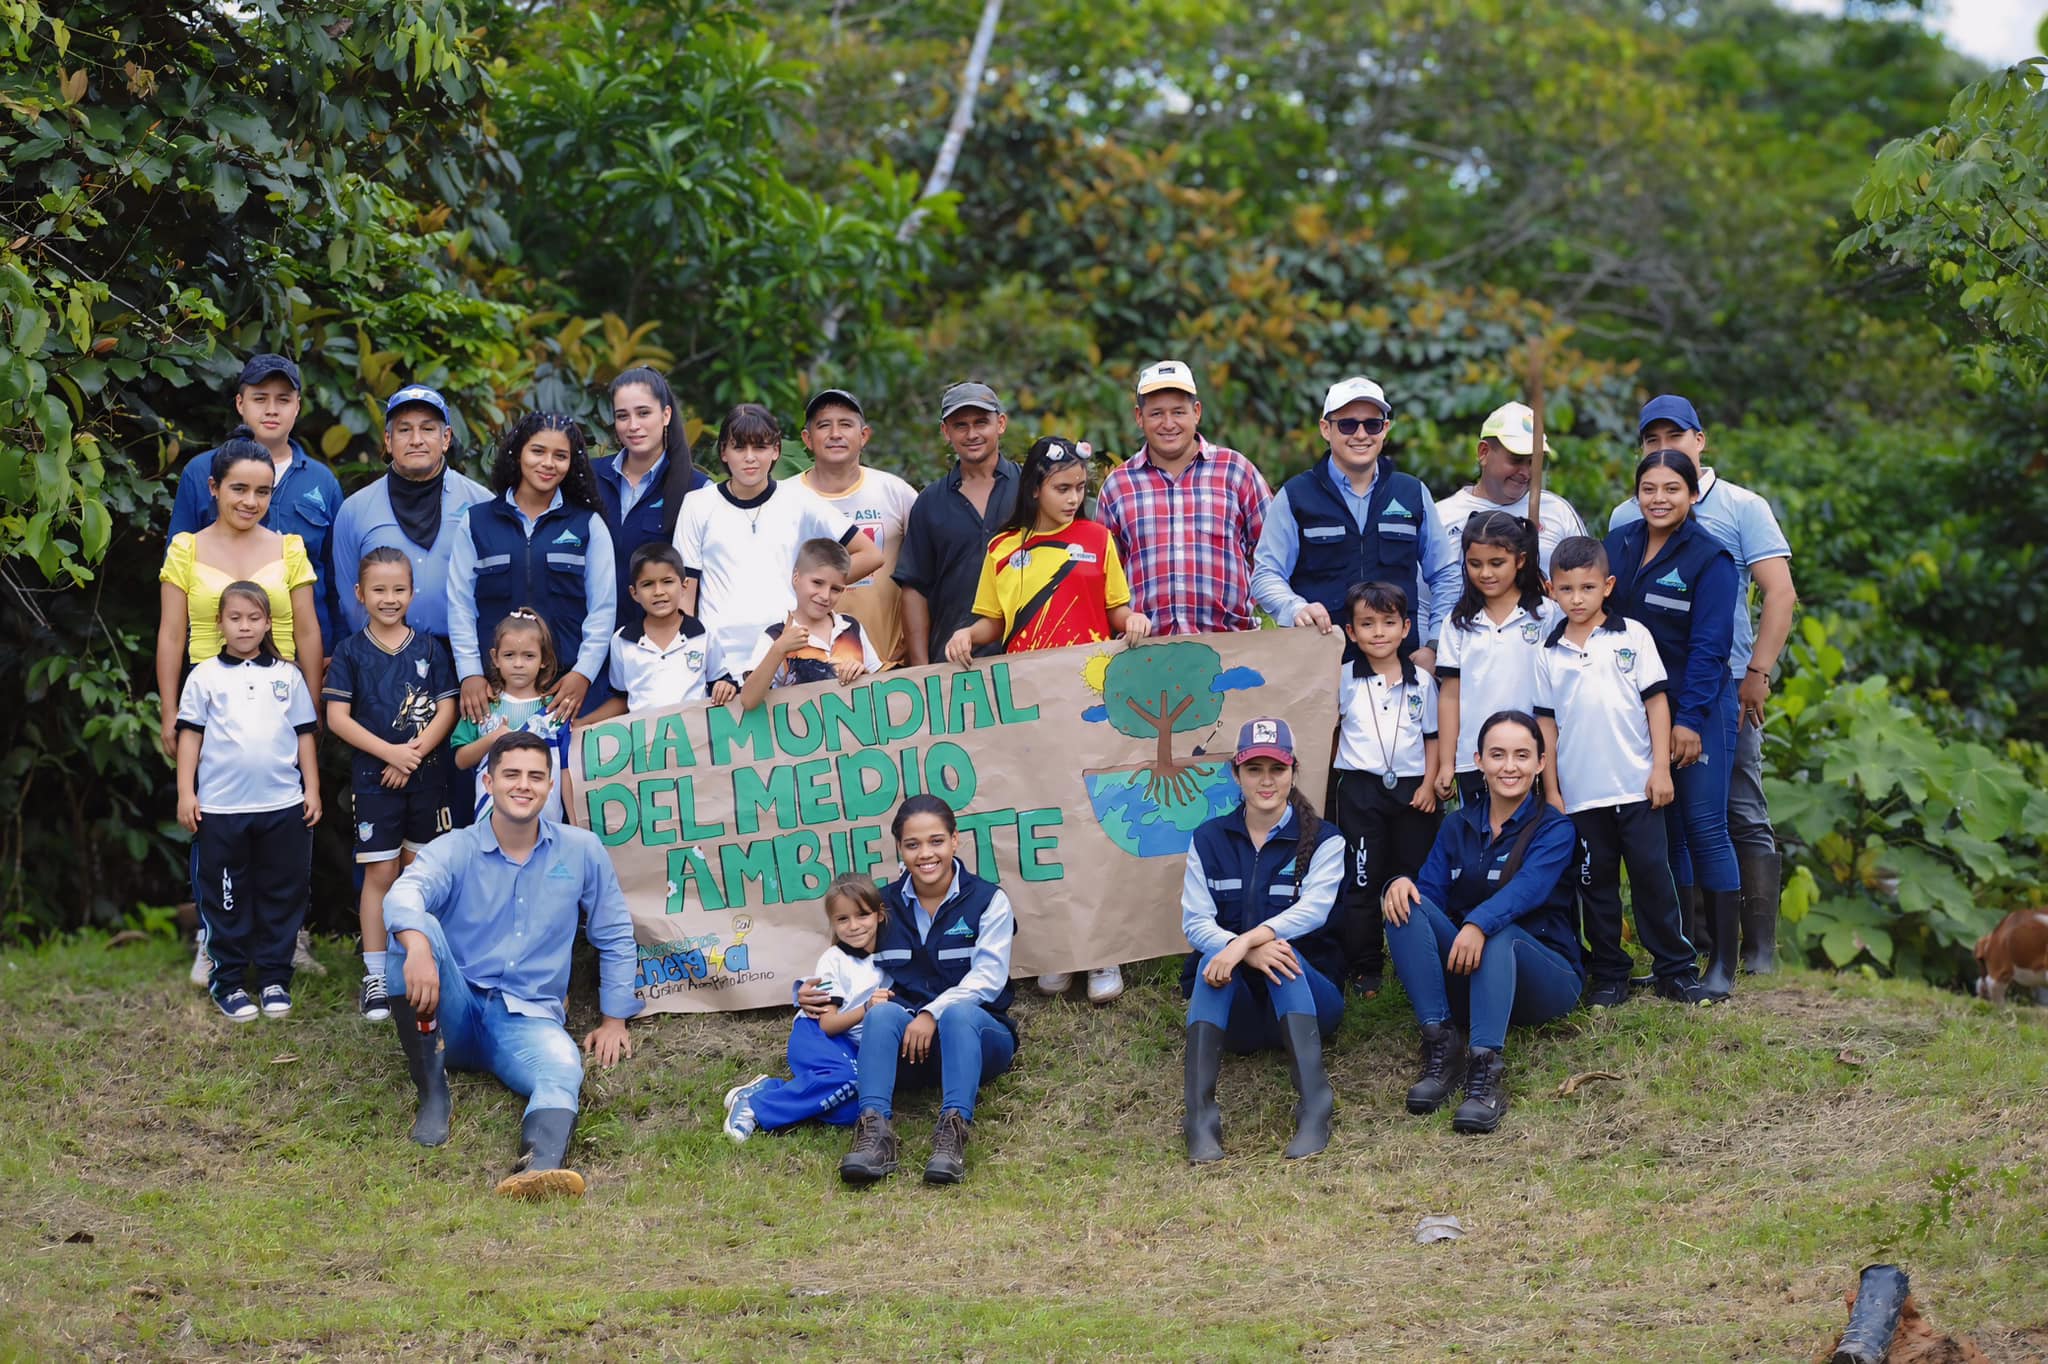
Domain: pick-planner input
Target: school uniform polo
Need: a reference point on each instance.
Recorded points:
(1383, 727)
(1495, 666)
(1597, 693)
(251, 712)
(1742, 523)
(944, 542)
(818, 659)
(849, 981)
(742, 551)
(654, 676)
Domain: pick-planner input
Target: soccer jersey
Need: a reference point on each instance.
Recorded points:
(652, 677)
(880, 505)
(390, 692)
(531, 715)
(1052, 588)
(818, 660)
(849, 981)
(742, 553)
(1382, 727)
(1495, 666)
(1596, 693)
(251, 713)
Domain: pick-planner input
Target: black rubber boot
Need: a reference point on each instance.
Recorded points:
(425, 1058)
(1724, 907)
(1203, 1123)
(1692, 915)
(1760, 872)
(948, 1164)
(542, 1170)
(1443, 1066)
(873, 1153)
(1305, 1067)
(1486, 1092)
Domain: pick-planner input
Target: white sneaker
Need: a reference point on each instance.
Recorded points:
(202, 965)
(1055, 983)
(302, 955)
(1105, 984)
(739, 1114)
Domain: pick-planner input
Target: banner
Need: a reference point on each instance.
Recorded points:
(1079, 776)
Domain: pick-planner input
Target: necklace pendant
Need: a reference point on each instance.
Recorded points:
(1389, 780)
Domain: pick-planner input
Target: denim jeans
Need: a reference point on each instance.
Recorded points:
(971, 1048)
(532, 1056)
(1696, 823)
(1250, 1007)
(1519, 980)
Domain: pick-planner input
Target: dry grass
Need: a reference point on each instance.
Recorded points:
(1712, 1203)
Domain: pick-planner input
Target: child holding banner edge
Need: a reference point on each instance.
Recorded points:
(1052, 578)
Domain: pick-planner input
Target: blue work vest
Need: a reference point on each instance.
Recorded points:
(648, 523)
(1250, 885)
(545, 571)
(1334, 552)
(924, 970)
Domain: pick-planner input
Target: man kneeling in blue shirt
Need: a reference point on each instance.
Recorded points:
(481, 930)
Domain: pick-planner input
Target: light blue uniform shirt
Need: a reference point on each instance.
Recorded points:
(1316, 894)
(511, 925)
(630, 492)
(366, 523)
(600, 596)
(1433, 593)
(1742, 523)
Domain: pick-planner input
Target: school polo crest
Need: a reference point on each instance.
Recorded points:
(1626, 658)
(1531, 631)
(1415, 705)
(281, 689)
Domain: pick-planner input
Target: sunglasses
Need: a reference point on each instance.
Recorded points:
(1351, 426)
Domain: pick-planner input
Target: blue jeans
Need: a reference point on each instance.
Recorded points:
(1696, 824)
(1519, 980)
(1250, 1007)
(532, 1056)
(970, 1049)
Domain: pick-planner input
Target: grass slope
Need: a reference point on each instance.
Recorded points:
(248, 1193)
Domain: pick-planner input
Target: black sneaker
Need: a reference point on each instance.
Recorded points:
(1688, 989)
(374, 1002)
(1607, 994)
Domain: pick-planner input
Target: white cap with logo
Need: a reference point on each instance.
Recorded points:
(1357, 388)
(1172, 374)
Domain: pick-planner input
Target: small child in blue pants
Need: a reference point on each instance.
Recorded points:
(823, 1051)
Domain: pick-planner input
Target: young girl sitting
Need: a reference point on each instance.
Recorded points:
(522, 665)
(249, 788)
(1052, 578)
(1486, 661)
(823, 1050)
(1260, 884)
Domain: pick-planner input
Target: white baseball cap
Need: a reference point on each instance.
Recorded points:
(1357, 388)
(1514, 426)
(1167, 374)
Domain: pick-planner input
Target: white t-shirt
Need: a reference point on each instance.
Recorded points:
(849, 981)
(1596, 695)
(880, 505)
(1495, 666)
(653, 678)
(1383, 725)
(251, 713)
(742, 556)
(1559, 519)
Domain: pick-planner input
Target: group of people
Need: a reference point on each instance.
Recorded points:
(1585, 704)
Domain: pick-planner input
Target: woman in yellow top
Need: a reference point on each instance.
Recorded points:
(237, 547)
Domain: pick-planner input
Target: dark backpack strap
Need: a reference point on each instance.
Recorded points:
(1521, 848)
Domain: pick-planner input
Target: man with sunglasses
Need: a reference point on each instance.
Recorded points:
(1355, 518)
(1507, 445)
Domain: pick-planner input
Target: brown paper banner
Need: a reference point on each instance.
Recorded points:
(1079, 776)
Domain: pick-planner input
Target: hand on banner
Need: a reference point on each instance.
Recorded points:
(1313, 613)
(960, 648)
(723, 691)
(1137, 626)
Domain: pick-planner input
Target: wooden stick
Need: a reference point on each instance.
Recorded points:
(1538, 346)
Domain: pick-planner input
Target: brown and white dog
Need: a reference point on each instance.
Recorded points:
(2014, 953)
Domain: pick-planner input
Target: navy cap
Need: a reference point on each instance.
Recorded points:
(1264, 738)
(1669, 407)
(833, 395)
(416, 395)
(268, 366)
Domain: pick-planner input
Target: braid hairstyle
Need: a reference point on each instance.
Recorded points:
(579, 486)
(1311, 830)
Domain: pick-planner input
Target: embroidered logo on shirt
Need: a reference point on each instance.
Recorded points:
(364, 831)
(1415, 705)
(568, 537)
(963, 929)
(1672, 579)
(694, 658)
(1626, 658)
(1021, 559)
(420, 666)
(1394, 508)
(559, 871)
(1531, 631)
(281, 690)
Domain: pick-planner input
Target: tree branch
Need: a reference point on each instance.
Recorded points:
(963, 117)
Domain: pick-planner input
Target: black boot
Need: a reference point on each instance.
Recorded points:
(1305, 1067)
(1760, 912)
(948, 1164)
(1692, 916)
(542, 1170)
(425, 1058)
(1443, 1065)
(1725, 909)
(873, 1153)
(1486, 1092)
(1203, 1123)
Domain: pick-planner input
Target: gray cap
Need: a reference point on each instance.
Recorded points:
(968, 395)
(833, 395)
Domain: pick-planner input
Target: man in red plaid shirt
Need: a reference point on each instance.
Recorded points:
(1186, 514)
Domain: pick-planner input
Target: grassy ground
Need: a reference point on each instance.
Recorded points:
(180, 1189)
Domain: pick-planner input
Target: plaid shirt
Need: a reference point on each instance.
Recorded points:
(1187, 543)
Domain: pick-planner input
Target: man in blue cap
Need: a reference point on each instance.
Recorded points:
(1743, 524)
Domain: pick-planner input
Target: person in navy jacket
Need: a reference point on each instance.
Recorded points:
(1677, 579)
(946, 946)
(640, 490)
(1257, 895)
(1488, 933)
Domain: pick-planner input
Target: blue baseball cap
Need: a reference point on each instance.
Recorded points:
(1264, 737)
(416, 395)
(1669, 407)
(268, 366)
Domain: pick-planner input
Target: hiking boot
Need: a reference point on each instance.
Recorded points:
(1724, 908)
(373, 1003)
(1203, 1123)
(1055, 982)
(1760, 877)
(1105, 984)
(1607, 994)
(1486, 1092)
(1367, 985)
(873, 1153)
(1305, 1067)
(1688, 989)
(302, 954)
(739, 1112)
(1443, 1065)
(236, 1006)
(541, 1170)
(426, 1060)
(949, 1150)
(277, 1001)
